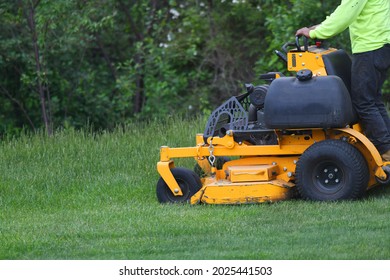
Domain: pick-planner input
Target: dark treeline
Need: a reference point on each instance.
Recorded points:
(70, 63)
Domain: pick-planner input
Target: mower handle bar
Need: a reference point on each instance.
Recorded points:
(296, 44)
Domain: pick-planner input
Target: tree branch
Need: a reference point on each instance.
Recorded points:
(17, 102)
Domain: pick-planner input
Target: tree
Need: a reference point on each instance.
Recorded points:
(29, 9)
(104, 62)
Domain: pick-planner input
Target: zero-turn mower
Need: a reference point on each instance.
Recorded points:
(290, 135)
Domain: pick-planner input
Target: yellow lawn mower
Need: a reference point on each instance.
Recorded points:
(291, 135)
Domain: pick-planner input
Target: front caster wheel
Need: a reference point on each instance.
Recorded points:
(188, 182)
(386, 181)
(331, 170)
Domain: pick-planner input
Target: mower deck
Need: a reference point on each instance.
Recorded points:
(225, 192)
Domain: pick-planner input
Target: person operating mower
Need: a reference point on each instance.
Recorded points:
(369, 27)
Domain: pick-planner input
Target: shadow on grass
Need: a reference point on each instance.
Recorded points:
(378, 191)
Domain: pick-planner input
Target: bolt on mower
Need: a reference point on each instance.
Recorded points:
(291, 135)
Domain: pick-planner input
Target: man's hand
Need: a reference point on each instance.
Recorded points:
(303, 31)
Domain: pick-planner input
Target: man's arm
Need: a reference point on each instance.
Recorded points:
(337, 22)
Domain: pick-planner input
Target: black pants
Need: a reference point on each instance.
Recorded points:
(369, 70)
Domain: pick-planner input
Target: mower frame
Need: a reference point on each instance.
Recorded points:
(265, 173)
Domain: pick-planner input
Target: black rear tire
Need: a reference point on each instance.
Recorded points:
(189, 183)
(331, 170)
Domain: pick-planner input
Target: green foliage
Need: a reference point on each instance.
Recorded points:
(106, 62)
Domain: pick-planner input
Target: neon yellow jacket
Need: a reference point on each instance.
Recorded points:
(368, 22)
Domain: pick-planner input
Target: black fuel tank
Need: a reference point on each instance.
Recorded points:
(317, 102)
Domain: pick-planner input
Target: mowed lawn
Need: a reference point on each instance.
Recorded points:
(82, 195)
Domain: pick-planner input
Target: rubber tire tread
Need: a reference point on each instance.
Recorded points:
(347, 156)
(183, 176)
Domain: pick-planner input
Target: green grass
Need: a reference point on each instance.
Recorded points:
(80, 195)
